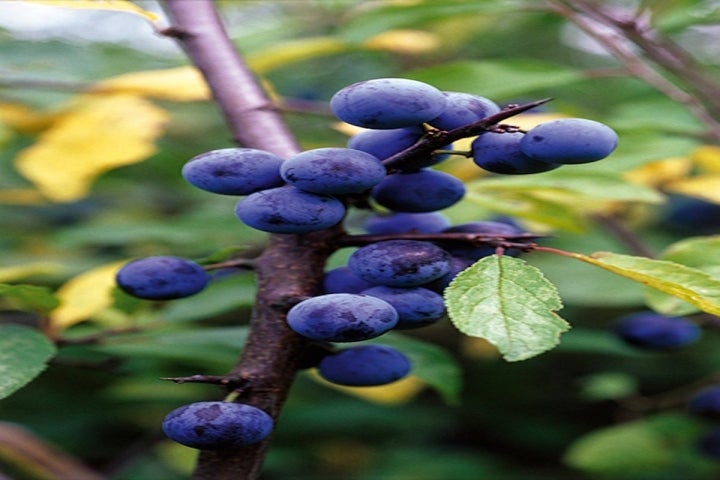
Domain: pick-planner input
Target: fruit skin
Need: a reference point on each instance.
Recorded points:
(234, 171)
(457, 265)
(384, 144)
(365, 366)
(402, 222)
(289, 210)
(416, 306)
(653, 331)
(400, 263)
(463, 109)
(161, 278)
(420, 191)
(342, 317)
(706, 402)
(343, 280)
(686, 214)
(333, 171)
(217, 425)
(500, 153)
(569, 141)
(384, 103)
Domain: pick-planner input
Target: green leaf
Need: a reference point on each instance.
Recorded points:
(509, 303)
(642, 447)
(24, 353)
(430, 363)
(702, 253)
(691, 285)
(509, 79)
(31, 298)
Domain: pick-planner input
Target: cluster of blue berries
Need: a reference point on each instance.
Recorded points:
(394, 283)
(653, 331)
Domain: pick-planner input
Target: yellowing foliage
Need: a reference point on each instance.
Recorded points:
(409, 42)
(282, 54)
(181, 84)
(95, 135)
(115, 5)
(83, 296)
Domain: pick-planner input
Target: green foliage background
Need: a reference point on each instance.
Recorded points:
(590, 408)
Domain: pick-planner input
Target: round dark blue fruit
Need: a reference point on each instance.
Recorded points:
(161, 278)
(463, 109)
(333, 171)
(384, 103)
(384, 144)
(421, 191)
(569, 141)
(289, 210)
(365, 366)
(706, 402)
(342, 317)
(653, 331)
(234, 171)
(401, 222)
(416, 306)
(217, 425)
(343, 280)
(400, 263)
(500, 153)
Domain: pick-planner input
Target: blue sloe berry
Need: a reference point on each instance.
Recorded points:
(654, 331)
(161, 278)
(569, 141)
(365, 366)
(416, 306)
(500, 153)
(419, 191)
(463, 109)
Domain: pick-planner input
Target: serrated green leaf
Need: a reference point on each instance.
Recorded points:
(702, 253)
(31, 298)
(689, 284)
(509, 303)
(430, 363)
(24, 353)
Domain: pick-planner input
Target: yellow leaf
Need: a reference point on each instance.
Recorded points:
(707, 158)
(182, 84)
(85, 295)
(410, 42)
(96, 135)
(23, 119)
(282, 54)
(115, 5)
(706, 187)
(398, 392)
(17, 272)
(661, 172)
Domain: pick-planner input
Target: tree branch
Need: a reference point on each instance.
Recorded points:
(273, 353)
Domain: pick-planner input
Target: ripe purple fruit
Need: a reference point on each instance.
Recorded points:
(234, 171)
(342, 317)
(364, 366)
(706, 402)
(384, 103)
(400, 222)
(289, 210)
(161, 278)
(343, 280)
(420, 191)
(416, 306)
(400, 263)
(569, 141)
(217, 425)
(463, 109)
(500, 153)
(654, 331)
(333, 171)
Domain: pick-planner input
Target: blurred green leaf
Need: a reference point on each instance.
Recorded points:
(507, 80)
(607, 386)
(30, 298)
(509, 303)
(24, 353)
